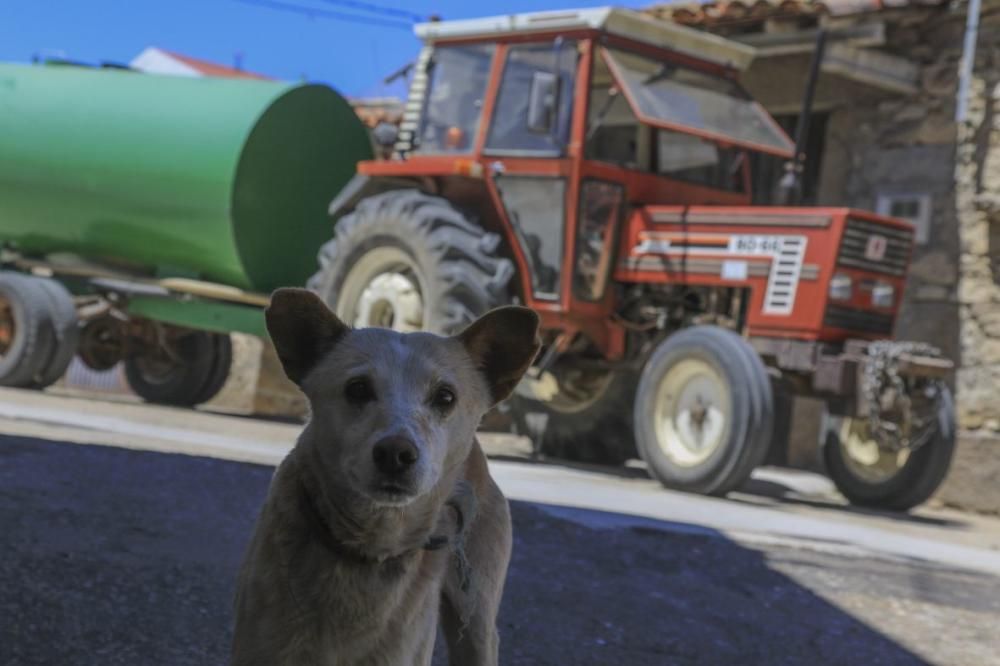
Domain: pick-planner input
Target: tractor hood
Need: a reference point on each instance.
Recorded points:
(818, 273)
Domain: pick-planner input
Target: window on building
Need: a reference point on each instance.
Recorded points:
(511, 130)
(457, 77)
(915, 208)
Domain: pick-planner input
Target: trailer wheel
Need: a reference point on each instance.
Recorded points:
(703, 411)
(222, 362)
(588, 419)
(410, 261)
(66, 326)
(27, 339)
(868, 475)
(185, 371)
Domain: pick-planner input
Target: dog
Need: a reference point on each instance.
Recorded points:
(383, 520)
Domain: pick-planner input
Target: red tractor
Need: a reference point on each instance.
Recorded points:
(595, 166)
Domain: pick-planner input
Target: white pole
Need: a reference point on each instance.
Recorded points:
(968, 60)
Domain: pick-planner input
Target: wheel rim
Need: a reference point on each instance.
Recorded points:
(382, 290)
(864, 457)
(693, 412)
(575, 390)
(161, 366)
(7, 326)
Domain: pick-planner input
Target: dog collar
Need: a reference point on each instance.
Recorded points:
(462, 502)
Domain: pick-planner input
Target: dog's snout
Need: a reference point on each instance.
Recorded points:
(395, 455)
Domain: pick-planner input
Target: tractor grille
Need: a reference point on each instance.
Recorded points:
(861, 238)
(862, 321)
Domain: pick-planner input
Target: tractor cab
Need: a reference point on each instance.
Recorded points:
(569, 120)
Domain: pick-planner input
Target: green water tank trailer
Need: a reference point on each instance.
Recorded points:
(224, 180)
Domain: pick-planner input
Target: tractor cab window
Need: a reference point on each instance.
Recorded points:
(695, 160)
(456, 80)
(614, 134)
(600, 209)
(617, 136)
(670, 96)
(535, 206)
(534, 104)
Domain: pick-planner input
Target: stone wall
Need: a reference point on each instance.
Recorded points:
(977, 194)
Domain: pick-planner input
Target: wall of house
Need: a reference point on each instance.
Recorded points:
(977, 194)
(905, 145)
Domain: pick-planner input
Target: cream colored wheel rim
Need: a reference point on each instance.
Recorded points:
(381, 290)
(693, 412)
(391, 300)
(863, 456)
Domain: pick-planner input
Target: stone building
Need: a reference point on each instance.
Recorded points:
(884, 137)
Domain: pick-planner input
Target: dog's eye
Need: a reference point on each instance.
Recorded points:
(359, 390)
(443, 398)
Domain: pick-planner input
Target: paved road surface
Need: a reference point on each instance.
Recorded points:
(114, 556)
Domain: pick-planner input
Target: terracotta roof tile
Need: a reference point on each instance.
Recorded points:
(720, 12)
(212, 69)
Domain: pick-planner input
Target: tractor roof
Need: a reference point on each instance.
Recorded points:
(612, 20)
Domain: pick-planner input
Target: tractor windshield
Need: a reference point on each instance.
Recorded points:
(673, 97)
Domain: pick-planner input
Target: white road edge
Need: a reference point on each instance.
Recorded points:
(598, 500)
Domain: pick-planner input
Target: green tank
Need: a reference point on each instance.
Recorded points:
(217, 179)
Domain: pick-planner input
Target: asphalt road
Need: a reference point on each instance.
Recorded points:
(115, 556)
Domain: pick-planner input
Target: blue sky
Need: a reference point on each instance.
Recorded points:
(350, 56)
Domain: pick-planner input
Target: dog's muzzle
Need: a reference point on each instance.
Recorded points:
(395, 458)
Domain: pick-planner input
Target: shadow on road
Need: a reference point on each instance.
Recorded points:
(775, 493)
(123, 557)
(755, 492)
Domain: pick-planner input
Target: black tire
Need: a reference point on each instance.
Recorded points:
(597, 430)
(33, 339)
(454, 262)
(66, 327)
(723, 358)
(762, 393)
(222, 362)
(914, 482)
(184, 382)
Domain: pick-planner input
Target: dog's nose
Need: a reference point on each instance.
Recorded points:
(394, 455)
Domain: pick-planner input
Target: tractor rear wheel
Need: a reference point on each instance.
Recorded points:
(409, 261)
(588, 417)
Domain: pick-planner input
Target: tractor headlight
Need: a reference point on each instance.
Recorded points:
(840, 287)
(883, 295)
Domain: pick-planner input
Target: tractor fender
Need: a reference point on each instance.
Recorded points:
(361, 187)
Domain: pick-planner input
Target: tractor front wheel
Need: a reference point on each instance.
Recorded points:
(704, 411)
(869, 475)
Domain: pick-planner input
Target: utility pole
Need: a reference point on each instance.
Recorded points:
(790, 186)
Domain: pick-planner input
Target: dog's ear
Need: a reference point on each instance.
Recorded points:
(302, 328)
(503, 342)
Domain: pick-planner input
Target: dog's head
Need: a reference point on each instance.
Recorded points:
(393, 413)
